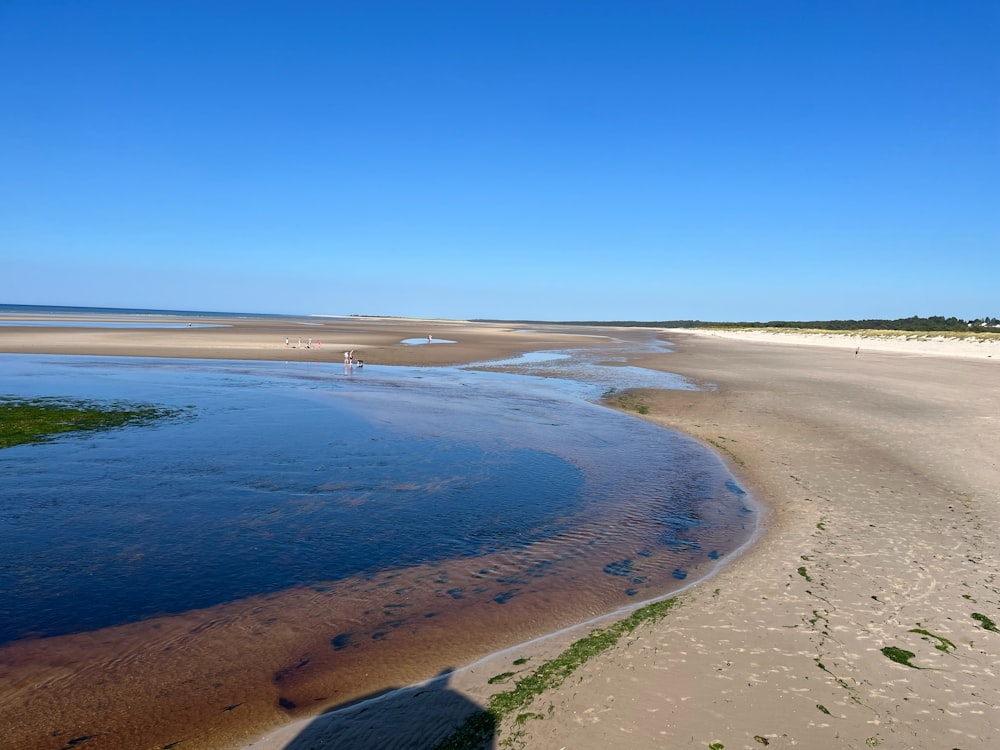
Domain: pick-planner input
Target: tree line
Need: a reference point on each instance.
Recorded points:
(913, 323)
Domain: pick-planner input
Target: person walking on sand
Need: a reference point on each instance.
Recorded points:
(286, 342)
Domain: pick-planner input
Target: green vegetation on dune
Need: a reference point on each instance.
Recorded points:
(934, 324)
(39, 420)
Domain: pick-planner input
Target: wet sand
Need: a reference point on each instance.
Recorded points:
(374, 340)
(882, 473)
(881, 476)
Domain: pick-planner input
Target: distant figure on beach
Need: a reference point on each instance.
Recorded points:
(429, 338)
(857, 351)
(300, 341)
(347, 358)
(286, 340)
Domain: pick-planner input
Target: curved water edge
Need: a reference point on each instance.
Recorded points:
(409, 466)
(603, 523)
(544, 647)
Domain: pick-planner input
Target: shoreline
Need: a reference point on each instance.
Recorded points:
(378, 341)
(884, 493)
(879, 491)
(220, 630)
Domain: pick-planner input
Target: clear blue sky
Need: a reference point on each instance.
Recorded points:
(503, 159)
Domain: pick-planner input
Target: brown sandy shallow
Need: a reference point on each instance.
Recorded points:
(881, 475)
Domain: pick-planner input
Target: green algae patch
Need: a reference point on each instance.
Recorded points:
(479, 728)
(627, 401)
(502, 677)
(523, 718)
(985, 622)
(943, 644)
(900, 656)
(805, 574)
(42, 420)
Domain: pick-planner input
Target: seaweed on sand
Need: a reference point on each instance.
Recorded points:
(478, 729)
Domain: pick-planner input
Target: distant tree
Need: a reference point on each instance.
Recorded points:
(913, 323)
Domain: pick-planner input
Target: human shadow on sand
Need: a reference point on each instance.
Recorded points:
(412, 718)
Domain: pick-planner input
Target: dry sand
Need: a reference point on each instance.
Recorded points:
(881, 473)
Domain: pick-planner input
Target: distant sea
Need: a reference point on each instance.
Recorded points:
(116, 311)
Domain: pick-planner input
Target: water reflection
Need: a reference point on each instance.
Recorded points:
(285, 475)
(297, 539)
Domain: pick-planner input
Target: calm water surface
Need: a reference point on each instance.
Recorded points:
(282, 475)
(299, 537)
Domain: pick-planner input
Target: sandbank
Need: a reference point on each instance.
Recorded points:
(376, 341)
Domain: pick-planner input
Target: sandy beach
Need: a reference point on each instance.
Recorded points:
(880, 474)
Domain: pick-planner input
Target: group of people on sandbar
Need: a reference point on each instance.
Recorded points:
(350, 361)
(309, 343)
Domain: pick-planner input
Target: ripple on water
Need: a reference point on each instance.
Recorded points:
(397, 518)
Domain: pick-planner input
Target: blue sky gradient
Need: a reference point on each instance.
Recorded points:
(753, 160)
